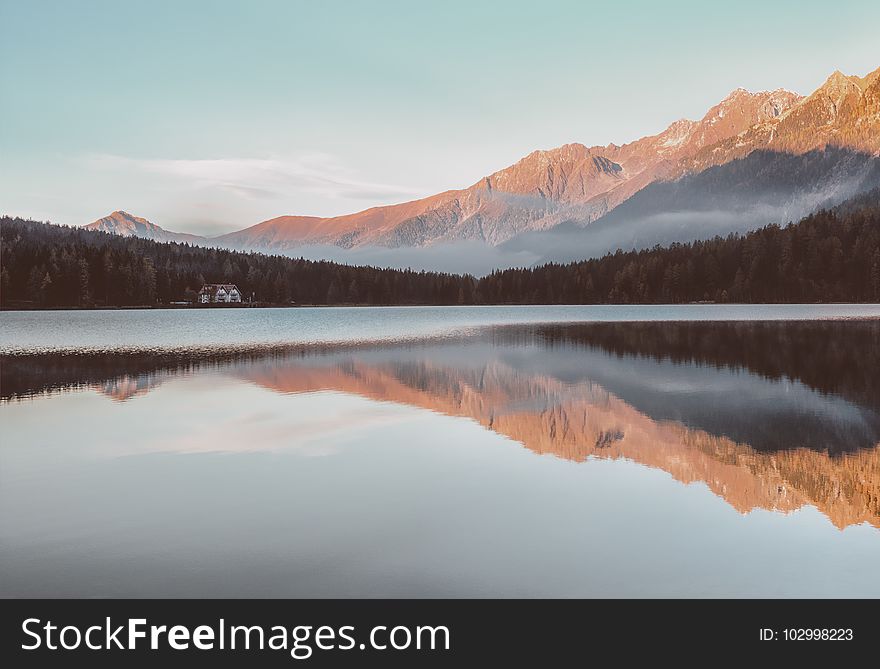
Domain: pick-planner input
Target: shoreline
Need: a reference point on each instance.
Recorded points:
(208, 307)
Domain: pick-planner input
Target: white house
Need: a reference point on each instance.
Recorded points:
(219, 292)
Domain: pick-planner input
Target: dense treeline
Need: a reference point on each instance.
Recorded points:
(52, 266)
(830, 256)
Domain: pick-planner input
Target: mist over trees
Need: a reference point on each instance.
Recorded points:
(829, 256)
(54, 266)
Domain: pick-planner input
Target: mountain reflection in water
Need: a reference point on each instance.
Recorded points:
(773, 415)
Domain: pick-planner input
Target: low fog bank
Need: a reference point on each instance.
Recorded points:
(465, 257)
(569, 242)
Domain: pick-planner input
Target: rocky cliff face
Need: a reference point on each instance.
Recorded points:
(844, 112)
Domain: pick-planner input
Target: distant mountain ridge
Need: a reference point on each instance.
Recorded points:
(126, 225)
(544, 189)
(577, 185)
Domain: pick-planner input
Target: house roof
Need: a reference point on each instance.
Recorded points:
(212, 288)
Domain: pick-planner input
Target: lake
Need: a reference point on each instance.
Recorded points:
(671, 451)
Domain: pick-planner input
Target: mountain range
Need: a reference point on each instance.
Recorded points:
(752, 159)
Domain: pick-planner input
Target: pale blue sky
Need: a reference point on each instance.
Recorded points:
(211, 116)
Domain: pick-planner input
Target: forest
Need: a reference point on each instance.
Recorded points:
(829, 256)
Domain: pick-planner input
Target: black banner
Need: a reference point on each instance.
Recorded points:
(45, 633)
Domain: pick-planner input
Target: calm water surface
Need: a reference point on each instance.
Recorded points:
(24, 331)
(462, 452)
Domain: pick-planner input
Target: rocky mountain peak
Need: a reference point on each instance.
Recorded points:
(128, 225)
(837, 88)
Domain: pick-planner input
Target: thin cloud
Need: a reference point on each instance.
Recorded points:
(249, 192)
(257, 178)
